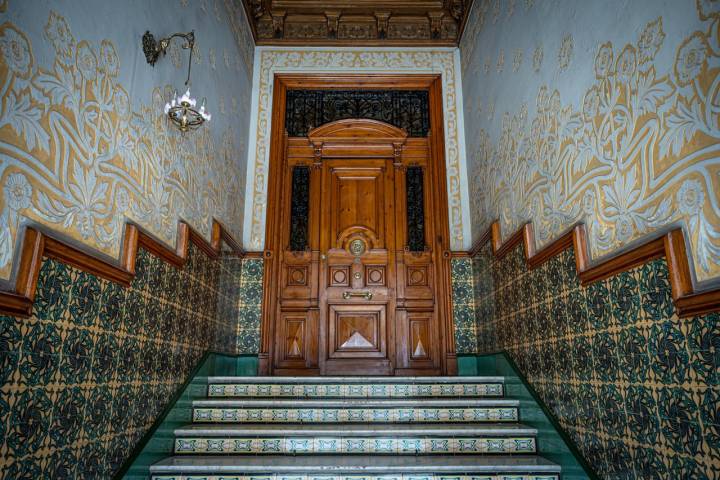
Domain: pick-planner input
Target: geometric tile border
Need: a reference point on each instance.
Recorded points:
(355, 391)
(356, 445)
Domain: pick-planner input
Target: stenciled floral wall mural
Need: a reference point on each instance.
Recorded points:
(608, 115)
(84, 144)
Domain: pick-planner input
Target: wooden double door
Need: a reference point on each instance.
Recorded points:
(356, 269)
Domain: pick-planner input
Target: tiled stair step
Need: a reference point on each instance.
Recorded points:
(355, 410)
(358, 387)
(356, 467)
(356, 439)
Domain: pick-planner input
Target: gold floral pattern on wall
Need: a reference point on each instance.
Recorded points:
(77, 156)
(639, 153)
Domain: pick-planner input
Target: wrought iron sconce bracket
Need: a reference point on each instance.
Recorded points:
(152, 48)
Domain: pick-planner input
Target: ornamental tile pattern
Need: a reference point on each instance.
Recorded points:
(355, 391)
(86, 375)
(355, 415)
(636, 387)
(250, 306)
(356, 445)
(463, 305)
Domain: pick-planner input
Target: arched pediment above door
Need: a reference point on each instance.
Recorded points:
(357, 138)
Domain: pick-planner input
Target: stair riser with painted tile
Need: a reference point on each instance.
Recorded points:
(355, 445)
(369, 415)
(356, 391)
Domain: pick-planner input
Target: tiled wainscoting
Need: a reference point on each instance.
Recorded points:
(636, 387)
(87, 374)
(250, 306)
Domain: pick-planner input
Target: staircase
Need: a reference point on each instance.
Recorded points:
(355, 428)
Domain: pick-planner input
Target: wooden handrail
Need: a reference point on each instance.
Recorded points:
(36, 244)
(671, 245)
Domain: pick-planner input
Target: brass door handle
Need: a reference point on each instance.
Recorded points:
(365, 295)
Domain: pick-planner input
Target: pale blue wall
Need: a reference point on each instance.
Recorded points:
(152, 175)
(629, 152)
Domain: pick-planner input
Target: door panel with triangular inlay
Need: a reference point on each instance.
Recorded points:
(356, 331)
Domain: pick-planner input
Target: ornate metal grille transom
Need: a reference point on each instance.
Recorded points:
(406, 109)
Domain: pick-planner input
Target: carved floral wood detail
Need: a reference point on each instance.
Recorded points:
(277, 22)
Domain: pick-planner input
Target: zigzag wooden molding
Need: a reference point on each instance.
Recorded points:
(671, 245)
(37, 244)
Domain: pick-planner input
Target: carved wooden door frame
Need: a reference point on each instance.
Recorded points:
(437, 206)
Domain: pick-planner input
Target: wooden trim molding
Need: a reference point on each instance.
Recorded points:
(671, 245)
(36, 244)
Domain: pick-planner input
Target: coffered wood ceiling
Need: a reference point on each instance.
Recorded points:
(357, 22)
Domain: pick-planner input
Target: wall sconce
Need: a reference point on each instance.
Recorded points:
(181, 111)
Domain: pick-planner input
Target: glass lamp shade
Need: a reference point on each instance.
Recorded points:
(183, 113)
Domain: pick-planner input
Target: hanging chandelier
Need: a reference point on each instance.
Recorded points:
(181, 111)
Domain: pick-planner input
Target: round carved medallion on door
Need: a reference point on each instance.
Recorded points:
(339, 276)
(417, 276)
(356, 247)
(297, 276)
(375, 275)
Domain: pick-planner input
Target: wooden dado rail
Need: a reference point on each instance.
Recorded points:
(671, 245)
(37, 244)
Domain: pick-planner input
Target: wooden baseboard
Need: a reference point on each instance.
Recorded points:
(37, 244)
(671, 245)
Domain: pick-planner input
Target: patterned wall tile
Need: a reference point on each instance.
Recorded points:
(250, 306)
(86, 375)
(463, 305)
(636, 387)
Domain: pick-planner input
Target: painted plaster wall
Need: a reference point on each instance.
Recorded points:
(601, 112)
(84, 145)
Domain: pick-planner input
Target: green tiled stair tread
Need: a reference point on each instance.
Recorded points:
(355, 465)
(310, 430)
(359, 477)
(355, 445)
(358, 380)
(333, 390)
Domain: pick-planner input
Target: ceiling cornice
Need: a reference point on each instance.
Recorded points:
(421, 23)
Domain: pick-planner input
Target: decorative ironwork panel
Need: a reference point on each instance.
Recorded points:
(299, 208)
(415, 209)
(407, 109)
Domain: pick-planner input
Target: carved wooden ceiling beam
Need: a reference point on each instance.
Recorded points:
(357, 22)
